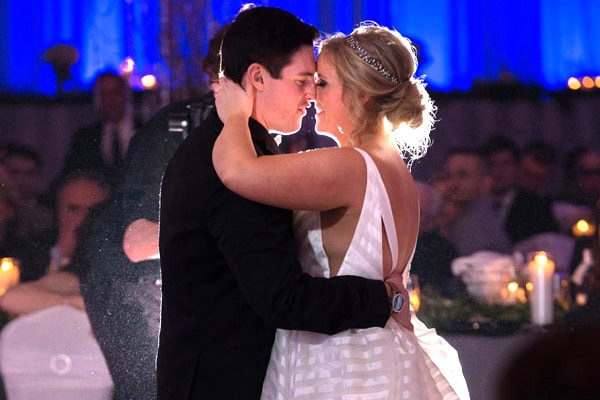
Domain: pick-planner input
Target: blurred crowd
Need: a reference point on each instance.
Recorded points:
(499, 195)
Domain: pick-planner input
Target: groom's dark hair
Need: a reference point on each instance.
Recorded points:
(268, 36)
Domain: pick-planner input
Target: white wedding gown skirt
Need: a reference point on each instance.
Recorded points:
(375, 363)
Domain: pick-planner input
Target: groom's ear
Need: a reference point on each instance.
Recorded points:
(255, 76)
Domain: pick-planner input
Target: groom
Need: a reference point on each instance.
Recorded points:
(230, 274)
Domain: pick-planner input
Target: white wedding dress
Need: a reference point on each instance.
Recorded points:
(374, 363)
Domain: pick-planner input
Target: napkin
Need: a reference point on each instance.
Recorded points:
(483, 262)
(486, 274)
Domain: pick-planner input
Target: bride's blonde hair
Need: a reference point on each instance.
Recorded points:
(380, 64)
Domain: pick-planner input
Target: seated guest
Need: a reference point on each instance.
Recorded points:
(50, 256)
(434, 253)
(24, 166)
(581, 187)
(581, 177)
(537, 169)
(524, 213)
(52, 250)
(476, 224)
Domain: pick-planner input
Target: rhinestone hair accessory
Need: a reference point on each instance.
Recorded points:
(372, 61)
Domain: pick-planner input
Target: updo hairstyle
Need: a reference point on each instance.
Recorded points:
(399, 100)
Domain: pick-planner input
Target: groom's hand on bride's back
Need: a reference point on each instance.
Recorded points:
(394, 284)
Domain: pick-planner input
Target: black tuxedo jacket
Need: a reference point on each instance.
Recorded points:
(230, 277)
(528, 215)
(85, 153)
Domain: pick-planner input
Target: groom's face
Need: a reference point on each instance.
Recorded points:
(284, 100)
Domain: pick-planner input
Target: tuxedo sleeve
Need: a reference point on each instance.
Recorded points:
(258, 245)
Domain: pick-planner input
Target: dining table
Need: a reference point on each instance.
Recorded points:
(487, 337)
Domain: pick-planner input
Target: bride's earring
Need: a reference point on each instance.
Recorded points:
(340, 130)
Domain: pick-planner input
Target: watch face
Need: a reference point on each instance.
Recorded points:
(397, 302)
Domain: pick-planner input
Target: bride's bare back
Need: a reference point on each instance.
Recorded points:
(338, 225)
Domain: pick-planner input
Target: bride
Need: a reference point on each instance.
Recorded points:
(359, 216)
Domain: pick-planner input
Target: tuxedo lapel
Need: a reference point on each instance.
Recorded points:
(263, 142)
(269, 146)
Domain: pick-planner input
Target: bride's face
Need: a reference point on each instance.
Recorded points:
(332, 103)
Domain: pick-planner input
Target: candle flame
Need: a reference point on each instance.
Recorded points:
(6, 264)
(513, 286)
(583, 228)
(541, 258)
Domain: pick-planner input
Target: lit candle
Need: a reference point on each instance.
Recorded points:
(541, 298)
(9, 274)
(583, 228)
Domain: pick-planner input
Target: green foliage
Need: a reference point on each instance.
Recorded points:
(464, 314)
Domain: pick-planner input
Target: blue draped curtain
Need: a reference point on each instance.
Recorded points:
(540, 42)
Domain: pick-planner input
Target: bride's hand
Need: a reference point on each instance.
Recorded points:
(233, 102)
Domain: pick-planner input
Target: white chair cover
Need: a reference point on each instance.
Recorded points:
(51, 355)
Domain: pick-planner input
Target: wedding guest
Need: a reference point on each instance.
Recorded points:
(102, 145)
(24, 167)
(52, 249)
(538, 168)
(581, 177)
(580, 189)
(476, 224)
(46, 271)
(524, 213)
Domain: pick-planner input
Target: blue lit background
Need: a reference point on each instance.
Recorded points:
(541, 42)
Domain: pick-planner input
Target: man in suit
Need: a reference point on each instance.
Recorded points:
(524, 213)
(102, 145)
(230, 274)
(473, 224)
